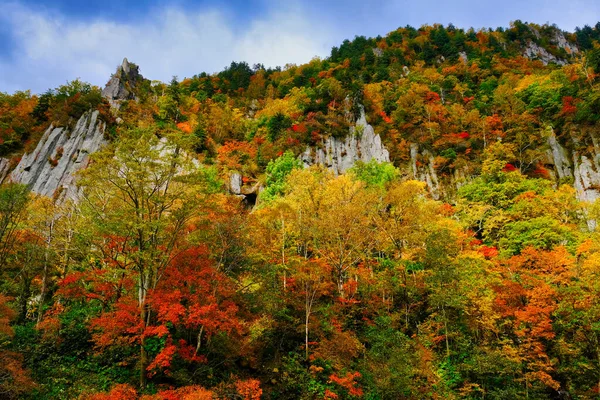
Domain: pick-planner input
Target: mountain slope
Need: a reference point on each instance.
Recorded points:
(445, 246)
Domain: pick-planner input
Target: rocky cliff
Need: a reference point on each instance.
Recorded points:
(123, 83)
(536, 52)
(583, 170)
(362, 144)
(339, 155)
(565, 166)
(50, 169)
(4, 169)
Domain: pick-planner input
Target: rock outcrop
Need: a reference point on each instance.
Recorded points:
(4, 168)
(235, 183)
(561, 42)
(425, 171)
(583, 170)
(339, 155)
(422, 168)
(50, 169)
(123, 83)
(536, 52)
(558, 157)
(586, 177)
(247, 192)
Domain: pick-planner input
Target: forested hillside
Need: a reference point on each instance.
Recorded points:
(412, 217)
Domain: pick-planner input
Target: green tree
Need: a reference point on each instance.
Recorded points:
(374, 173)
(277, 172)
(139, 195)
(13, 205)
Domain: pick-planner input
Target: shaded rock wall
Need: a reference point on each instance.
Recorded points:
(424, 172)
(4, 168)
(583, 170)
(123, 83)
(339, 155)
(536, 52)
(50, 169)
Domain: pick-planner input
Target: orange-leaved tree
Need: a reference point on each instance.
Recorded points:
(14, 379)
(141, 197)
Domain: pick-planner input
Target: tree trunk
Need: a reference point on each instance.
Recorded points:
(24, 295)
(446, 333)
(143, 352)
(42, 294)
(144, 318)
(307, 308)
(598, 355)
(199, 344)
(45, 276)
(283, 254)
(340, 282)
(306, 335)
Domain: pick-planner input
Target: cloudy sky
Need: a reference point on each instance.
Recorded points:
(45, 43)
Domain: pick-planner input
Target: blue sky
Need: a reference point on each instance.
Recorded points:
(45, 43)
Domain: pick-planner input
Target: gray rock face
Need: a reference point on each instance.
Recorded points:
(339, 155)
(586, 177)
(247, 193)
(4, 168)
(444, 187)
(558, 156)
(536, 52)
(425, 172)
(49, 170)
(235, 183)
(122, 84)
(584, 170)
(561, 41)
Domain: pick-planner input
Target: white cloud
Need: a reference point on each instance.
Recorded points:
(51, 48)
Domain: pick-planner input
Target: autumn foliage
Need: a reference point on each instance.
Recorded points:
(466, 265)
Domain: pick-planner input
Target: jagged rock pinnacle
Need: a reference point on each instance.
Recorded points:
(125, 65)
(123, 83)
